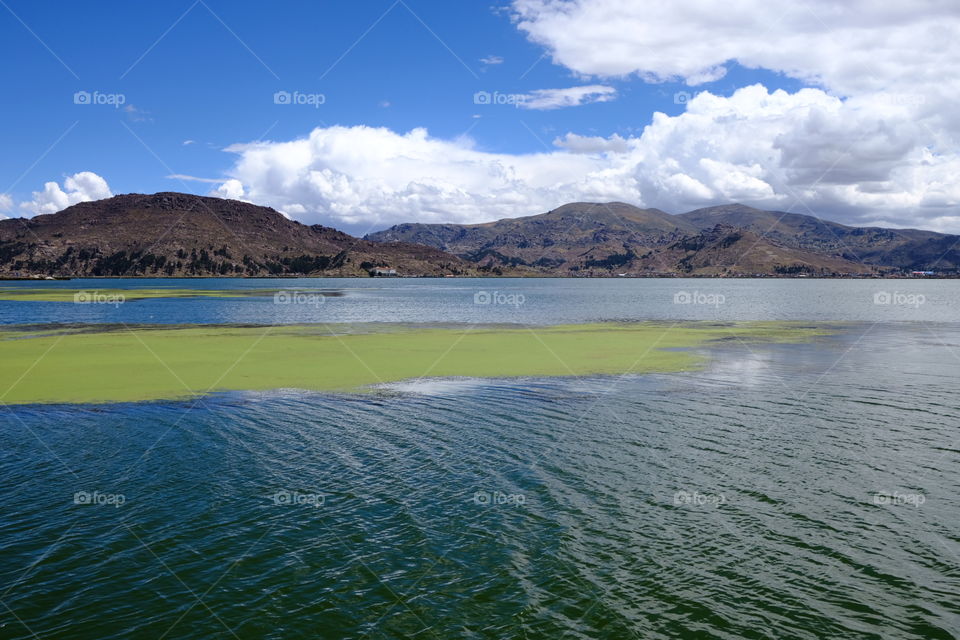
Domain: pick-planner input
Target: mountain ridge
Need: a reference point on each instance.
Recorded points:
(639, 241)
(176, 234)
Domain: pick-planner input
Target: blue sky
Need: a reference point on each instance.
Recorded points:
(207, 72)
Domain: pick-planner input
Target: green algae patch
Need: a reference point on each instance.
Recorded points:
(114, 296)
(120, 364)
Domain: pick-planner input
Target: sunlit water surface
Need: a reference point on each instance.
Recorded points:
(787, 491)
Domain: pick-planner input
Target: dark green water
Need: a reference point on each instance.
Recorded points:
(788, 491)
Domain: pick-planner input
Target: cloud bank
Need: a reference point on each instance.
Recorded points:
(851, 47)
(855, 161)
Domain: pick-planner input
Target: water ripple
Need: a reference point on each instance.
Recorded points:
(783, 503)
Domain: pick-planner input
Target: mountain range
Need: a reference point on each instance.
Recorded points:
(601, 238)
(176, 234)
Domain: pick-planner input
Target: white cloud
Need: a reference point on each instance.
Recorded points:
(886, 142)
(231, 189)
(805, 151)
(80, 187)
(355, 176)
(492, 60)
(850, 160)
(850, 47)
(187, 143)
(6, 202)
(591, 144)
(545, 99)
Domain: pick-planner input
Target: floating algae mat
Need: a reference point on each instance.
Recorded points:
(23, 294)
(44, 365)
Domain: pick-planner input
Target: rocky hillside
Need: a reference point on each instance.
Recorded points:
(605, 238)
(176, 234)
(906, 249)
(571, 235)
(727, 250)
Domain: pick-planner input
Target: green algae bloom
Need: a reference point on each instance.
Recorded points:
(24, 294)
(118, 363)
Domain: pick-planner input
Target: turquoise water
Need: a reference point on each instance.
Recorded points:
(787, 491)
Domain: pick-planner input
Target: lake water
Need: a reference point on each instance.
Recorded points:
(527, 301)
(786, 491)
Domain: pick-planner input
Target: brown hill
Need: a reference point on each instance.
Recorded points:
(902, 248)
(552, 241)
(606, 238)
(176, 234)
(726, 250)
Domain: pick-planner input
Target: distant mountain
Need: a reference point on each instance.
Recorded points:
(570, 235)
(176, 234)
(900, 248)
(604, 238)
(726, 250)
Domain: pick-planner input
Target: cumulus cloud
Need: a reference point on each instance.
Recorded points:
(355, 177)
(546, 99)
(231, 190)
(80, 187)
(6, 203)
(805, 151)
(873, 139)
(895, 67)
(849, 47)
